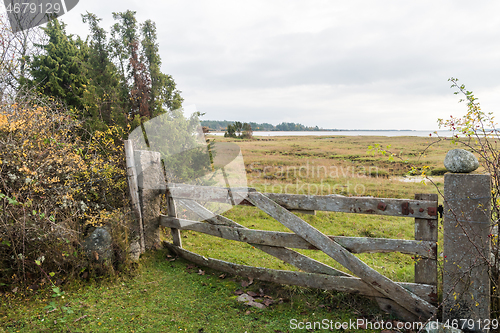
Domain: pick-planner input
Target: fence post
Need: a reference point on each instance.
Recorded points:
(427, 230)
(151, 184)
(172, 212)
(466, 285)
(136, 231)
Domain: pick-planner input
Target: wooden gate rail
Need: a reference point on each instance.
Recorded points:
(425, 249)
(422, 209)
(312, 280)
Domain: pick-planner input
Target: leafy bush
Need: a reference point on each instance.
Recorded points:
(52, 185)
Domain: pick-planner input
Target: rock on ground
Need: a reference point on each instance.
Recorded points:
(98, 245)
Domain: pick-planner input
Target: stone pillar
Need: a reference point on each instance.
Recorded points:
(466, 286)
(151, 184)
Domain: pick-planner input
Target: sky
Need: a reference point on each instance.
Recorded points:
(358, 64)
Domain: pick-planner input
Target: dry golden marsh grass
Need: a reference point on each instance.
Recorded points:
(331, 165)
(341, 161)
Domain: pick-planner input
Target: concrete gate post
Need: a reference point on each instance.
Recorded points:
(466, 249)
(151, 183)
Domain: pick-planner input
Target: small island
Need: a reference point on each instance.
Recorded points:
(221, 125)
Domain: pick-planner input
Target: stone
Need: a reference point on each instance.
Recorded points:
(249, 300)
(460, 161)
(98, 245)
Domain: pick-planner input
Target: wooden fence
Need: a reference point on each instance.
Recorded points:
(409, 301)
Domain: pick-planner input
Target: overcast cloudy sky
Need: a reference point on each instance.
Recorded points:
(357, 64)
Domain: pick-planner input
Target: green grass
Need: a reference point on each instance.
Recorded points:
(171, 296)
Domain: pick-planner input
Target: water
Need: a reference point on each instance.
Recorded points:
(347, 133)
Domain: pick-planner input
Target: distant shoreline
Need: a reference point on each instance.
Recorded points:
(334, 130)
(222, 125)
(441, 133)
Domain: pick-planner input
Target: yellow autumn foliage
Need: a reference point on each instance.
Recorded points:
(61, 182)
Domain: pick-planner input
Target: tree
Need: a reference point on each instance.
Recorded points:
(137, 76)
(103, 97)
(147, 91)
(292, 127)
(123, 34)
(164, 94)
(181, 143)
(59, 71)
(239, 130)
(141, 90)
(115, 82)
(247, 131)
(230, 133)
(144, 65)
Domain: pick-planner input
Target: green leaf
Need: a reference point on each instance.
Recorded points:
(12, 201)
(52, 274)
(51, 306)
(57, 292)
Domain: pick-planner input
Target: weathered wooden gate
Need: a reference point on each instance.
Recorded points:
(409, 301)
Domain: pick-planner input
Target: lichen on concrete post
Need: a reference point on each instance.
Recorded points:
(466, 248)
(151, 184)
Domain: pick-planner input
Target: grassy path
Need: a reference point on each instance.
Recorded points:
(175, 296)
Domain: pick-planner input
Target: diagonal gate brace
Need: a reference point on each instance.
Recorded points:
(287, 255)
(385, 286)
